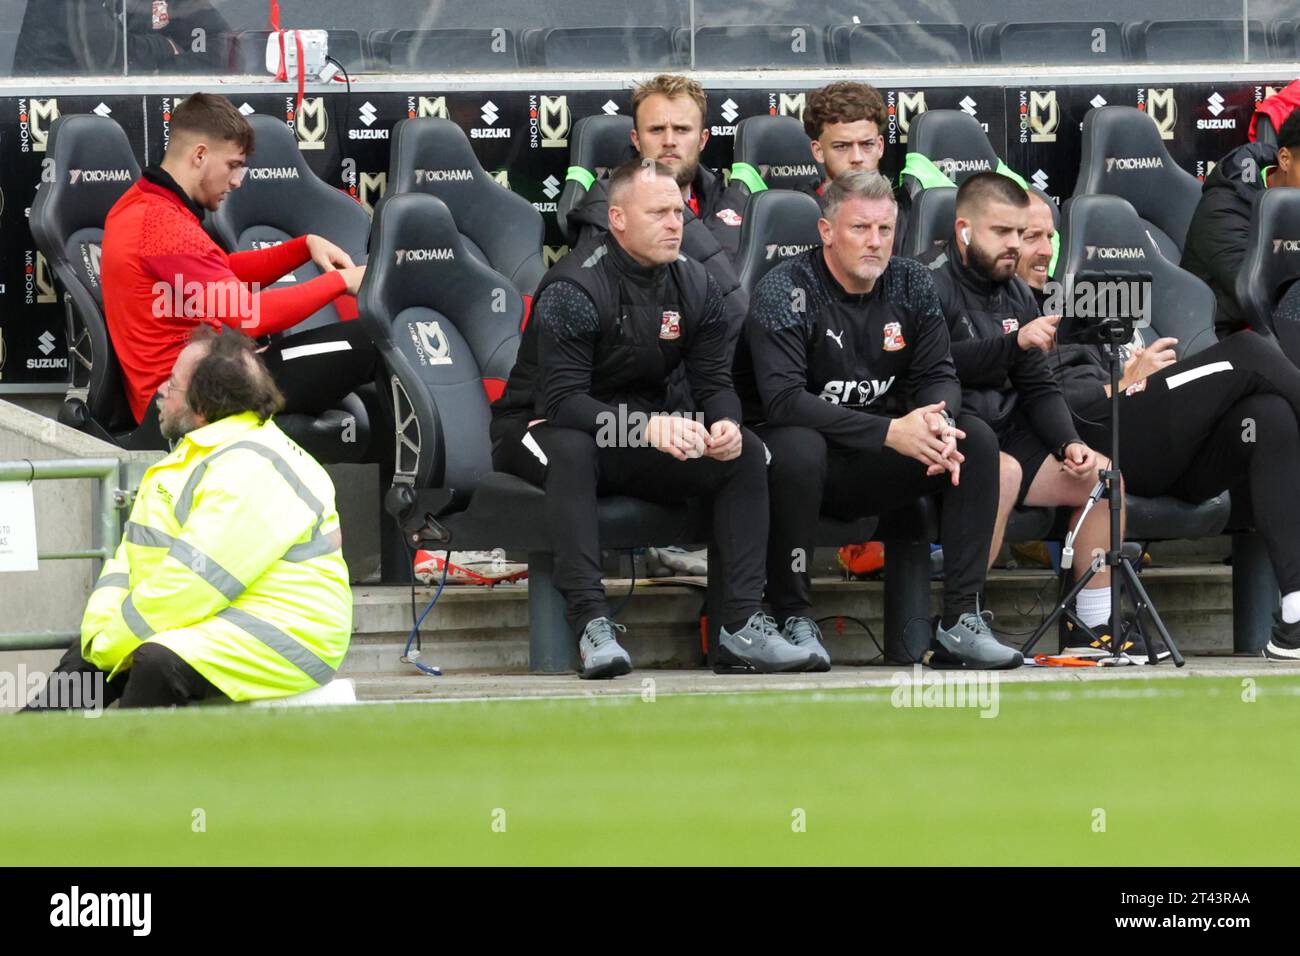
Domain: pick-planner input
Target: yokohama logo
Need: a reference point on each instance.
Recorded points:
(1115, 252)
(273, 172)
(443, 175)
(98, 176)
(424, 255)
(1286, 245)
(1128, 163)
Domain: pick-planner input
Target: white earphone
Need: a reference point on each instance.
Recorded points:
(965, 236)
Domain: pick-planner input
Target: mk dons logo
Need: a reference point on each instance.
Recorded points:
(431, 343)
(502, 177)
(312, 122)
(421, 106)
(91, 255)
(1044, 116)
(38, 284)
(553, 254)
(34, 121)
(902, 108)
(1286, 245)
(786, 104)
(1160, 106)
(370, 189)
(548, 119)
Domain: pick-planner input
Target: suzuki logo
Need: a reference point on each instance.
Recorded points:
(967, 106)
(489, 113)
(1039, 179)
(1097, 102)
(610, 108)
(1044, 116)
(1163, 110)
(246, 109)
(729, 112)
(1216, 104)
(311, 123)
(551, 187)
(46, 343)
(101, 110)
(367, 113)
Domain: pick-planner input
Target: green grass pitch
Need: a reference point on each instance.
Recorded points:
(1179, 772)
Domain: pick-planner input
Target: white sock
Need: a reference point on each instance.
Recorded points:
(1093, 606)
(1291, 608)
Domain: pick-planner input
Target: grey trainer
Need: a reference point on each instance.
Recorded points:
(758, 646)
(602, 657)
(971, 642)
(804, 633)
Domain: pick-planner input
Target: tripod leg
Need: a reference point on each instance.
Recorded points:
(1062, 608)
(1141, 599)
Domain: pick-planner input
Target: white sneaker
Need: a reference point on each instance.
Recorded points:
(468, 567)
(338, 691)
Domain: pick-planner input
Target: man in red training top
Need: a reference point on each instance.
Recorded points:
(162, 274)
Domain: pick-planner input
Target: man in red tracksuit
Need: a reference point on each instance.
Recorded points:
(162, 274)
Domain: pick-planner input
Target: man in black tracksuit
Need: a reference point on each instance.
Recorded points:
(1005, 379)
(669, 113)
(850, 390)
(1195, 427)
(1220, 229)
(586, 413)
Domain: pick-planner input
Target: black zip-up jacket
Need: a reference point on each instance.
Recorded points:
(1216, 239)
(711, 239)
(998, 377)
(844, 363)
(607, 331)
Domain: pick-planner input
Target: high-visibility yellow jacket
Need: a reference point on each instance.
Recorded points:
(233, 559)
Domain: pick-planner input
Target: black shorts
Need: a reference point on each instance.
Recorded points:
(1017, 439)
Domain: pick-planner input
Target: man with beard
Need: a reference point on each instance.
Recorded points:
(1182, 424)
(1005, 379)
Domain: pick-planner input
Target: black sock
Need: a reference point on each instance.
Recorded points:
(955, 605)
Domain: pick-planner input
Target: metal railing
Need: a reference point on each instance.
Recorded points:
(112, 498)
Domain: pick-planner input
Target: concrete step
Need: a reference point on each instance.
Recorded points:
(485, 630)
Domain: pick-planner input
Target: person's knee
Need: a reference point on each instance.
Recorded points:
(569, 452)
(798, 457)
(1266, 421)
(150, 661)
(1010, 477)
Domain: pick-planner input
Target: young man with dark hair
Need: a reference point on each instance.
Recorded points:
(1005, 380)
(162, 275)
(229, 581)
(592, 415)
(854, 394)
(1220, 229)
(1184, 424)
(845, 122)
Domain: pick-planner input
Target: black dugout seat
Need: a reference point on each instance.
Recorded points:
(955, 142)
(444, 51)
(500, 228)
(92, 166)
(584, 48)
(904, 45)
(756, 47)
(1272, 260)
(598, 144)
(930, 222)
(779, 224)
(282, 198)
(1123, 155)
(1194, 41)
(1060, 41)
(777, 150)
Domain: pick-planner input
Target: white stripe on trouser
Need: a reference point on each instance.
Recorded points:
(530, 443)
(302, 351)
(1182, 378)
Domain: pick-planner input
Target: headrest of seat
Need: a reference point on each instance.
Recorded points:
(1105, 234)
(779, 223)
(1272, 258)
(92, 165)
(1123, 155)
(933, 215)
(601, 143)
(418, 259)
(954, 141)
(282, 197)
(778, 148)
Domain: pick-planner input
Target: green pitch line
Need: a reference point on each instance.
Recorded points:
(1177, 771)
